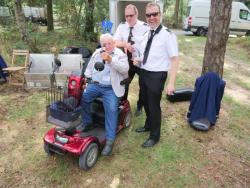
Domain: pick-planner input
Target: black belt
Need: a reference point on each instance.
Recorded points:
(90, 81)
(123, 82)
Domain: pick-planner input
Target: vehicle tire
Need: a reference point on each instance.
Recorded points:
(248, 33)
(201, 31)
(89, 157)
(127, 119)
(47, 150)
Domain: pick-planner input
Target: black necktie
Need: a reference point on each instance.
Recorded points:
(130, 35)
(146, 52)
(131, 42)
(148, 45)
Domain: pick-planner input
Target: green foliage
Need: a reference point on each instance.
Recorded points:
(71, 14)
(35, 3)
(168, 12)
(5, 3)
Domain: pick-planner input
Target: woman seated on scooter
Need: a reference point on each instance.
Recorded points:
(104, 82)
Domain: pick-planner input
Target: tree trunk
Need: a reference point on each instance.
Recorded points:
(176, 13)
(20, 19)
(181, 11)
(75, 18)
(218, 31)
(89, 19)
(50, 26)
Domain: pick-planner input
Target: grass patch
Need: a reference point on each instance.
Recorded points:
(238, 126)
(182, 158)
(27, 108)
(234, 49)
(59, 171)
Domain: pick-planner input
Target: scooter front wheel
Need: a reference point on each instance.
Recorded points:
(47, 150)
(89, 157)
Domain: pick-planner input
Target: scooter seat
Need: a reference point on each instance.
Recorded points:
(98, 113)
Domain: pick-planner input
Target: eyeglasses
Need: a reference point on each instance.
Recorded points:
(154, 14)
(131, 15)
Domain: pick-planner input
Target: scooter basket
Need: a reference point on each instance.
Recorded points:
(64, 112)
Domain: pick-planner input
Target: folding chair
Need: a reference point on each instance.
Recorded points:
(16, 73)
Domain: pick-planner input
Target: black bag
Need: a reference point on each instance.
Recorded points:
(179, 95)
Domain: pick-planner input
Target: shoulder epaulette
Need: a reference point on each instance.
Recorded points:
(145, 33)
(168, 30)
(144, 23)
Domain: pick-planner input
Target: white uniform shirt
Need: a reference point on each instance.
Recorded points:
(163, 47)
(139, 29)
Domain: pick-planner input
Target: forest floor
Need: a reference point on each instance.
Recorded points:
(183, 157)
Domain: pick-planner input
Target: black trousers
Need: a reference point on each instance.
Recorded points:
(152, 85)
(131, 73)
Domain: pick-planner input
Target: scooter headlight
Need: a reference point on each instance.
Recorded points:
(61, 139)
(73, 83)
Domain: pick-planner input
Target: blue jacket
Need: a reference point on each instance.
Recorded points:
(2, 65)
(206, 99)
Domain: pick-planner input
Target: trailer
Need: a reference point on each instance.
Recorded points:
(35, 14)
(116, 10)
(5, 15)
(4, 11)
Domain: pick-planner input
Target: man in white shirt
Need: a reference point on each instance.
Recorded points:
(127, 36)
(160, 56)
(105, 84)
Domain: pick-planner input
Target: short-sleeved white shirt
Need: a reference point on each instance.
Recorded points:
(164, 46)
(139, 29)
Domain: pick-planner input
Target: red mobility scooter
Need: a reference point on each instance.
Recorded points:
(63, 111)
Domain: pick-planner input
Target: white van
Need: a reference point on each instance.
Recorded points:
(116, 10)
(197, 18)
